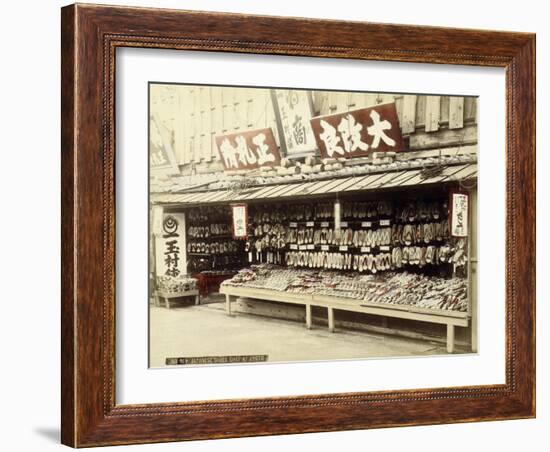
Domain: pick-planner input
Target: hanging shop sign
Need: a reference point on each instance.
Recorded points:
(459, 214)
(170, 246)
(248, 150)
(359, 132)
(162, 157)
(294, 110)
(239, 220)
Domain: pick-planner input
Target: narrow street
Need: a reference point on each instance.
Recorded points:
(206, 330)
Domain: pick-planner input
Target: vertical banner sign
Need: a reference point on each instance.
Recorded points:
(459, 214)
(240, 220)
(170, 246)
(161, 154)
(248, 150)
(293, 109)
(358, 133)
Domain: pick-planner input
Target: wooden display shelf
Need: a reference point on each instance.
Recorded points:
(449, 318)
(158, 294)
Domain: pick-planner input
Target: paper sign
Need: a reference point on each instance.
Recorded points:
(240, 220)
(459, 214)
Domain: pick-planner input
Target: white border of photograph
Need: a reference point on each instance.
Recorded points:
(136, 383)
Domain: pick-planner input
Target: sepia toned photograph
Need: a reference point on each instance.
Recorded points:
(303, 225)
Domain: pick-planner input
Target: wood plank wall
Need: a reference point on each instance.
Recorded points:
(194, 115)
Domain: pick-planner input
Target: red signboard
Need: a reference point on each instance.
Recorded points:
(358, 133)
(248, 150)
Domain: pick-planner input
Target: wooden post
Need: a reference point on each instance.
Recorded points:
(450, 338)
(197, 300)
(167, 300)
(156, 298)
(228, 304)
(330, 319)
(308, 316)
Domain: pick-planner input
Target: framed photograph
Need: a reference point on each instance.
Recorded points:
(267, 231)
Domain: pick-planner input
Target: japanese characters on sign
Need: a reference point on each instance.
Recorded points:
(459, 214)
(359, 132)
(170, 246)
(248, 150)
(294, 111)
(161, 154)
(240, 220)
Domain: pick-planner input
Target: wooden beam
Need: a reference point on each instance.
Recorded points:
(330, 312)
(450, 338)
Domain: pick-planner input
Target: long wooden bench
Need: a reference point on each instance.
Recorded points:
(449, 318)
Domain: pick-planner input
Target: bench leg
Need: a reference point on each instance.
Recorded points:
(330, 319)
(308, 316)
(450, 338)
(228, 304)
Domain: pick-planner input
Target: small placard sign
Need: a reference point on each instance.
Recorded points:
(240, 220)
(459, 214)
(325, 247)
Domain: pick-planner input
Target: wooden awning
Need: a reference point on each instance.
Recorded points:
(379, 181)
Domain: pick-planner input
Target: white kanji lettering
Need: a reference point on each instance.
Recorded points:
(264, 156)
(377, 130)
(350, 131)
(246, 156)
(330, 139)
(229, 154)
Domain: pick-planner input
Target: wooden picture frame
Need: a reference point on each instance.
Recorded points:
(90, 37)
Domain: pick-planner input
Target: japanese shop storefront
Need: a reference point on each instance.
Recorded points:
(341, 219)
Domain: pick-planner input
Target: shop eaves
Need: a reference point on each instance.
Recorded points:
(411, 177)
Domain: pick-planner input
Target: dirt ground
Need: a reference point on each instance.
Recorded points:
(206, 330)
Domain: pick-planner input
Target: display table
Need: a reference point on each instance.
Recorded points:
(449, 318)
(158, 294)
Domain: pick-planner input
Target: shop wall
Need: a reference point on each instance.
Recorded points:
(194, 115)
